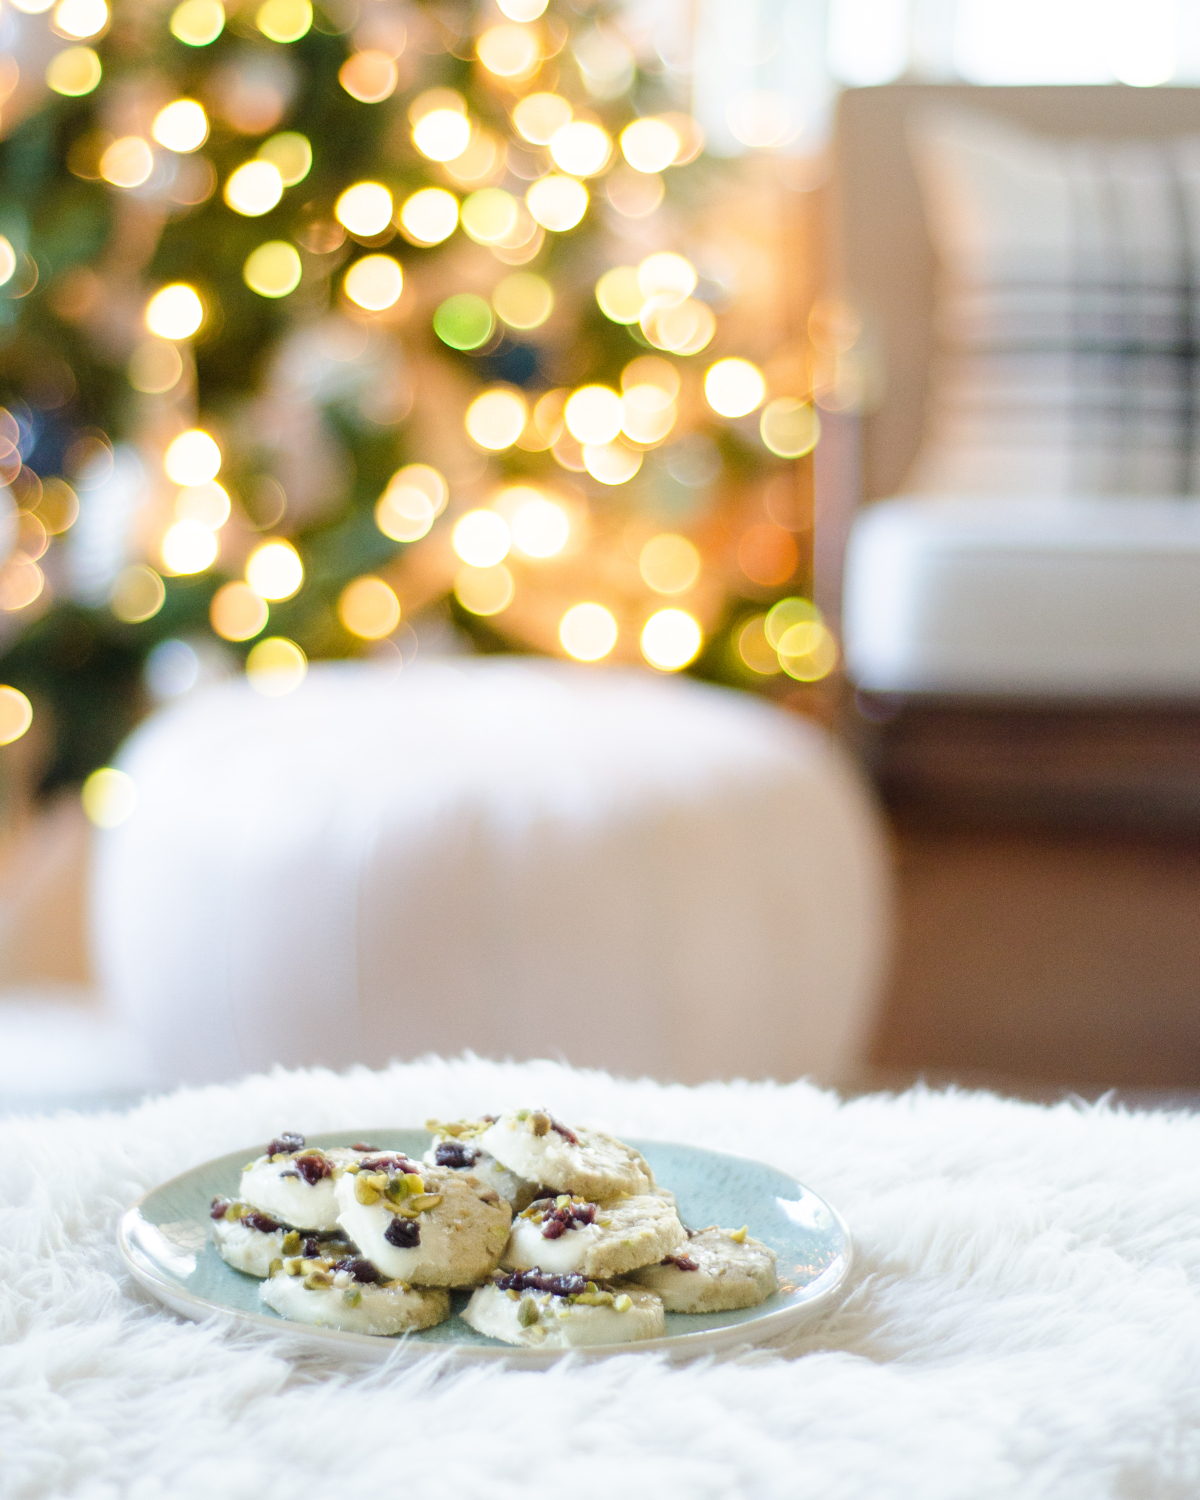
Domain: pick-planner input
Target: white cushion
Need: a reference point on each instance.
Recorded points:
(519, 858)
(1068, 598)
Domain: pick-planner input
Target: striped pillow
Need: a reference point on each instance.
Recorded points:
(1068, 312)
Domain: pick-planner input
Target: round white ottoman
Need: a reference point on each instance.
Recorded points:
(519, 858)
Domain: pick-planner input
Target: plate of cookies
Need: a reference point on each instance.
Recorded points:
(511, 1236)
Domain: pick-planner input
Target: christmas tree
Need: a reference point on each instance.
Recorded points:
(317, 318)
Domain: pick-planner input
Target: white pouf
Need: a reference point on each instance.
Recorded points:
(521, 858)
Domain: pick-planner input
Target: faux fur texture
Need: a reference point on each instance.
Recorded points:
(1024, 1320)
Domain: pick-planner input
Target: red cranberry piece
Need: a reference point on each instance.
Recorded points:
(567, 1135)
(360, 1268)
(261, 1222)
(683, 1262)
(390, 1161)
(358, 1146)
(219, 1205)
(289, 1141)
(312, 1168)
(553, 1229)
(405, 1234)
(569, 1284)
(456, 1155)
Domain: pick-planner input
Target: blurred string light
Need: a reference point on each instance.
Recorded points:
(237, 613)
(539, 527)
(803, 642)
(734, 387)
(789, 428)
(593, 414)
(137, 595)
(539, 117)
(193, 458)
(368, 608)
(80, 19)
(284, 20)
(441, 128)
(755, 650)
(154, 367)
(175, 312)
(482, 538)
(8, 260)
(181, 126)
(364, 209)
(523, 300)
(273, 270)
(207, 503)
(374, 283)
(74, 72)
(109, 797)
(463, 321)
(369, 76)
(649, 145)
(671, 639)
(188, 547)
(587, 631)
(522, 10)
(489, 215)
(21, 584)
(127, 163)
(511, 52)
(415, 496)
(669, 563)
(429, 216)
(611, 463)
(16, 714)
(290, 153)
(198, 23)
(557, 203)
(496, 419)
(274, 570)
(254, 188)
(276, 666)
(484, 591)
(581, 148)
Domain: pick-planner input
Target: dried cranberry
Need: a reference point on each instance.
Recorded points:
(585, 1213)
(683, 1262)
(313, 1247)
(360, 1269)
(289, 1141)
(261, 1222)
(405, 1234)
(553, 1229)
(456, 1155)
(219, 1205)
(313, 1167)
(567, 1135)
(358, 1146)
(391, 1161)
(569, 1284)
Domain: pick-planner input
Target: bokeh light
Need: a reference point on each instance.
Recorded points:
(593, 414)
(273, 270)
(509, 51)
(290, 153)
(789, 428)
(197, 23)
(73, 72)
(368, 608)
(755, 650)
(415, 495)
(154, 366)
(364, 209)
(254, 188)
(127, 163)
(649, 145)
(429, 216)
(521, 10)
(482, 538)
(369, 76)
(188, 547)
(557, 203)
(484, 591)
(274, 570)
(587, 631)
(523, 300)
(138, 593)
(665, 274)
(237, 613)
(181, 126)
(539, 117)
(21, 583)
(8, 260)
(489, 215)
(58, 509)
(767, 554)
(374, 282)
(284, 20)
(193, 458)
(734, 387)
(808, 651)
(620, 296)
(442, 134)
(463, 321)
(540, 528)
(634, 194)
(207, 503)
(276, 667)
(671, 639)
(648, 413)
(680, 327)
(80, 18)
(611, 463)
(16, 714)
(581, 148)
(496, 419)
(783, 615)
(109, 797)
(175, 312)
(669, 563)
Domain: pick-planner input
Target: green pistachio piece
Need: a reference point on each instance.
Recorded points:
(624, 1302)
(540, 1123)
(424, 1202)
(292, 1242)
(739, 1234)
(316, 1280)
(276, 1265)
(527, 1313)
(364, 1190)
(352, 1296)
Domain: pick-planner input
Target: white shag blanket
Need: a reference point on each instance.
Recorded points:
(1024, 1318)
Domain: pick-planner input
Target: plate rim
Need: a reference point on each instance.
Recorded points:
(404, 1347)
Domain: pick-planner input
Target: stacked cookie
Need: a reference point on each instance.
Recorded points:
(372, 1241)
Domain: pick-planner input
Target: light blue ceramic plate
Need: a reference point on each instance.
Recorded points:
(164, 1241)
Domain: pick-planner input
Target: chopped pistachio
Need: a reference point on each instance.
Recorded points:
(235, 1211)
(352, 1296)
(352, 1168)
(563, 1200)
(540, 1123)
(522, 1114)
(623, 1303)
(276, 1265)
(364, 1190)
(316, 1280)
(294, 1267)
(739, 1234)
(423, 1202)
(527, 1313)
(513, 1293)
(292, 1242)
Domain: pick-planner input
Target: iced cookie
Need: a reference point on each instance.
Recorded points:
(296, 1185)
(351, 1294)
(455, 1147)
(570, 1234)
(427, 1225)
(717, 1270)
(536, 1146)
(562, 1312)
(249, 1241)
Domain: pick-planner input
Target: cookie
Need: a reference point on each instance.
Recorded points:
(456, 1148)
(536, 1146)
(350, 1294)
(249, 1241)
(295, 1185)
(565, 1234)
(716, 1271)
(540, 1311)
(427, 1225)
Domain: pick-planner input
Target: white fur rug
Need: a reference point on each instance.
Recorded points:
(1024, 1320)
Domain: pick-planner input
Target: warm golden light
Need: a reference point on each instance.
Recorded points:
(127, 163)
(137, 594)
(8, 260)
(237, 613)
(734, 387)
(489, 215)
(509, 51)
(290, 154)
(16, 714)
(557, 203)
(539, 117)
(666, 274)
(109, 797)
(369, 608)
(482, 538)
(649, 369)
(587, 631)
(620, 296)
(670, 639)
(254, 188)
(648, 413)
(80, 18)
(374, 282)
(808, 651)
(429, 216)
(154, 367)
(789, 428)
(477, 165)
(21, 582)
(788, 612)
(58, 509)
(284, 20)
(754, 648)
(679, 327)
(540, 528)
(198, 22)
(767, 554)
(415, 495)
(522, 10)
(365, 209)
(634, 194)
(611, 463)
(581, 148)
(442, 134)
(273, 270)
(73, 72)
(276, 667)
(523, 300)
(669, 563)
(181, 126)
(369, 76)
(207, 503)
(495, 420)
(175, 312)
(188, 547)
(649, 145)
(593, 414)
(193, 458)
(274, 570)
(32, 7)
(484, 591)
